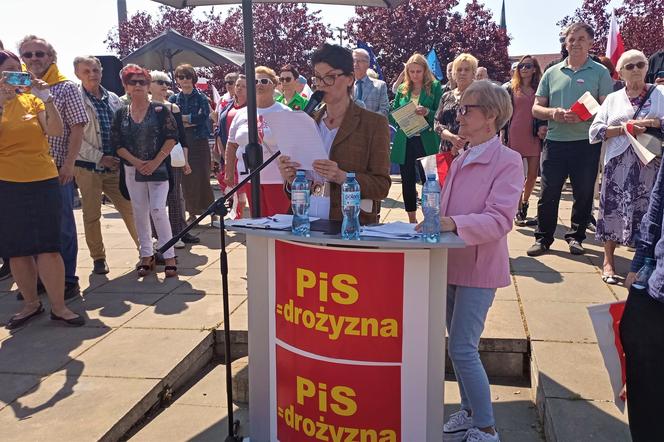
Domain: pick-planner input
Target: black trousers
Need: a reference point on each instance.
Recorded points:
(578, 160)
(409, 170)
(642, 335)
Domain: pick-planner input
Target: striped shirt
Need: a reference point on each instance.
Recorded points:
(67, 99)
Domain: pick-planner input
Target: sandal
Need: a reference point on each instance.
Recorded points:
(609, 279)
(144, 269)
(171, 271)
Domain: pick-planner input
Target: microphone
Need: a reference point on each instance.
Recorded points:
(314, 102)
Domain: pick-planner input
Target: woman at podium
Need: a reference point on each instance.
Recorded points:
(357, 140)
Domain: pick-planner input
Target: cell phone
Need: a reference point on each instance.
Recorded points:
(17, 78)
(659, 74)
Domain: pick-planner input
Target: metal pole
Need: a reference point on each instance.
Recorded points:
(253, 150)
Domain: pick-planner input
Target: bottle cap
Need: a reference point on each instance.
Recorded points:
(350, 174)
(300, 172)
(431, 177)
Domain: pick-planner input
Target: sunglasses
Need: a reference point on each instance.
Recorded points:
(463, 109)
(137, 82)
(184, 77)
(227, 82)
(263, 81)
(37, 54)
(162, 82)
(631, 66)
(286, 79)
(523, 66)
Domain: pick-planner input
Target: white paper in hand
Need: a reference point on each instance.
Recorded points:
(297, 136)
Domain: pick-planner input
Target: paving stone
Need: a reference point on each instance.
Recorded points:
(553, 261)
(152, 283)
(563, 287)
(114, 309)
(140, 353)
(15, 386)
(66, 408)
(209, 282)
(504, 327)
(182, 311)
(571, 371)
(557, 321)
(507, 293)
(579, 420)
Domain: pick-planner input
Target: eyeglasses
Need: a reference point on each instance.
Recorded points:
(37, 54)
(329, 79)
(263, 81)
(631, 66)
(227, 82)
(523, 66)
(184, 77)
(286, 79)
(137, 82)
(162, 82)
(463, 109)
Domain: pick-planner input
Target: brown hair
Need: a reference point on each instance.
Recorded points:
(517, 81)
(606, 61)
(188, 71)
(428, 79)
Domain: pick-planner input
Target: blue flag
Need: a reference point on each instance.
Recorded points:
(373, 64)
(434, 64)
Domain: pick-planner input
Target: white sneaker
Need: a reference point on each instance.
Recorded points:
(456, 427)
(477, 435)
(179, 244)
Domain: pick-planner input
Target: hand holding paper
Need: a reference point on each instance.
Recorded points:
(297, 137)
(585, 107)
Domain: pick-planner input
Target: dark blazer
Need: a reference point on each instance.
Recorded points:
(362, 145)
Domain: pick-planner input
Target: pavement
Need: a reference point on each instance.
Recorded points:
(146, 342)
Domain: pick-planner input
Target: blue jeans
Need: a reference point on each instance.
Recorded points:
(68, 238)
(467, 308)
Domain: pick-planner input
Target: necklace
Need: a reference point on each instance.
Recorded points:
(332, 119)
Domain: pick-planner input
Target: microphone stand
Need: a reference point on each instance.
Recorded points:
(219, 208)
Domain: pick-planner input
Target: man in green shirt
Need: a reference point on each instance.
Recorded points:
(287, 76)
(567, 151)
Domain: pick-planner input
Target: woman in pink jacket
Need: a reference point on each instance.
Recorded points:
(479, 200)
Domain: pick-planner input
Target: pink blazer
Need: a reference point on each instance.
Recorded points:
(482, 198)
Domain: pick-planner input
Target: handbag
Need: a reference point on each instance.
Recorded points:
(177, 156)
(652, 139)
(160, 174)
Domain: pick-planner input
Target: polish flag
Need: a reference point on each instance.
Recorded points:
(585, 107)
(216, 97)
(202, 84)
(614, 43)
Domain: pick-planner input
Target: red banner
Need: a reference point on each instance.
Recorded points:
(340, 303)
(319, 400)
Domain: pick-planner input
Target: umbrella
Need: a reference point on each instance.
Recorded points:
(171, 49)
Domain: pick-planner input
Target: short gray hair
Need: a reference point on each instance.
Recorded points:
(29, 38)
(631, 55)
(87, 59)
(494, 99)
(159, 75)
(363, 52)
(231, 76)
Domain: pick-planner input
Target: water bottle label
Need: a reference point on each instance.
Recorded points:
(298, 197)
(350, 199)
(430, 200)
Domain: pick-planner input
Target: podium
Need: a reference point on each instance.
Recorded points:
(346, 338)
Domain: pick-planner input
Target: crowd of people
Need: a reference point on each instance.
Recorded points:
(58, 134)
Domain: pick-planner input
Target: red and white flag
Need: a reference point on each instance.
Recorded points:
(202, 84)
(585, 107)
(614, 42)
(215, 96)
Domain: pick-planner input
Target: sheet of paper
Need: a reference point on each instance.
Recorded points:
(644, 154)
(395, 230)
(297, 137)
(276, 222)
(408, 121)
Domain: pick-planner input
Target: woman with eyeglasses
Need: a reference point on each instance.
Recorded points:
(159, 87)
(421, 87)
(524, 133)
(478, 202)
(357, 140)
(226, 117)
(273, 200)
(143, 135)
(464, 68)
(627, 181)
(195, 110)
(30, 199)
(290, 97)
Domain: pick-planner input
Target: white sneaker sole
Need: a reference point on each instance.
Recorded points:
(457, 436)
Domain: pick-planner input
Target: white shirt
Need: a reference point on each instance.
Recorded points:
(239, 134)
(475, 151)
(320, 205)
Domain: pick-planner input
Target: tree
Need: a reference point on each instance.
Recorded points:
(419, 25)
(640, 23)
(283, 33)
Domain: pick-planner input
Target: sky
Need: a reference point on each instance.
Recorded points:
(80, 27)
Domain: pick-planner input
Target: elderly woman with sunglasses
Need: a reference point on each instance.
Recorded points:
(478, 202)
(143, 135)
(627, 182)
(273, 200)
(195, 110)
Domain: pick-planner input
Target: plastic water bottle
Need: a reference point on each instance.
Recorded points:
(431, 209)
(643, 275)
(300, 205)
(350, 205)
